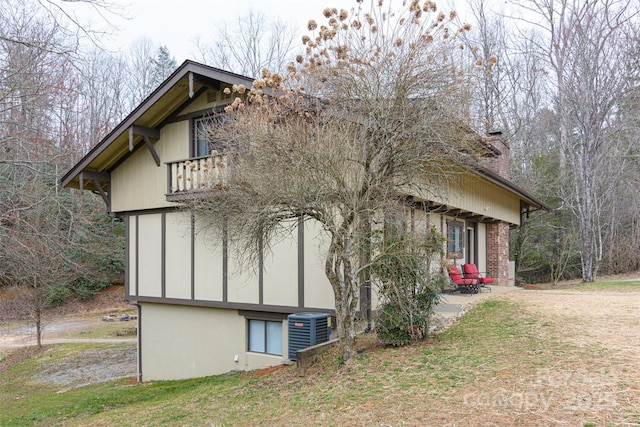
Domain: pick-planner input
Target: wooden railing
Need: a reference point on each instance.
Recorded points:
(200, 173)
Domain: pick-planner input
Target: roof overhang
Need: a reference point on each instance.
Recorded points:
(144, 122)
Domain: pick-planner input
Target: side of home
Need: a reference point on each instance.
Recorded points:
(200, 311)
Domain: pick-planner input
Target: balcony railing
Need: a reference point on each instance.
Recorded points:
(196, 174)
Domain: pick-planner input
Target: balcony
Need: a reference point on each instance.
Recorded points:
(187, 177)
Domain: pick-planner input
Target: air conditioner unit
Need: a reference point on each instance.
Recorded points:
(306, 330)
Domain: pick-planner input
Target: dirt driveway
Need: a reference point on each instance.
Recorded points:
(596, 378)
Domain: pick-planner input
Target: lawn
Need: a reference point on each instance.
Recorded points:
(514, 361)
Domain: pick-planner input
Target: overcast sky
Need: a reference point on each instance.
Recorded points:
(176, 24)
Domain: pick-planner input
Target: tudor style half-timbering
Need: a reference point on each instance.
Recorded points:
(199, 312)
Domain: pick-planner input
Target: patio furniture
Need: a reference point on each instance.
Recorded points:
(464, 284)
(471, 272)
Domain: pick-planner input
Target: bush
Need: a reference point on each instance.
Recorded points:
(408, 290)
(85, 288)
(55, 295)
(404, 317)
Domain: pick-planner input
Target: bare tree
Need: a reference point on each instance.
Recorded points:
(42, 127)
(379, 120)
(251, 44)
(586, 46)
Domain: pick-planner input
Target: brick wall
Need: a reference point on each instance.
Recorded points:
(498, 253)
(498, 233)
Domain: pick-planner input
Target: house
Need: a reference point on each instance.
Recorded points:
(198, 313)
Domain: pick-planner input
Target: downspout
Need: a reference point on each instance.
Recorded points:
(139, 367)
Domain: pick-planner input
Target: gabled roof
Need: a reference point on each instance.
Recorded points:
(185, 83)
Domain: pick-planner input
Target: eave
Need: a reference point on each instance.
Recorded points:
(144, 122)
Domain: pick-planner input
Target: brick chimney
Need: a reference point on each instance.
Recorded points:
(500, 163)
(498, 233)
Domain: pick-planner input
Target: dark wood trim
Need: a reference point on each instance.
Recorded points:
(140, 377)
(476, 242)
(176, 117)
(207, 112)
(137, 255)
(192, 138)
(228, 305)
(261, 272)
(225, 262)
(127, 255)
(152, 150)
(95, 175)
(163, 255)
(103, 194)
(168, 209)
(193, 255)
(301, 262)
(262, 315)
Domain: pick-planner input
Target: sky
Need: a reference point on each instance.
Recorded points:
(176, 24)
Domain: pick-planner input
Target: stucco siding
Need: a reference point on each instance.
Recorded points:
(178, 255)
(149, 255)
(243, 280)
(208, 265)
(138, 183)
(317, 289)
(186, 342)
(280, 277)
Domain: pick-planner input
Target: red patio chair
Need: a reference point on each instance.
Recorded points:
(465, 284)
(471, 272)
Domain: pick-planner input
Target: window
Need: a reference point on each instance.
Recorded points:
(265, 336)
(455, 239)
(204, 142)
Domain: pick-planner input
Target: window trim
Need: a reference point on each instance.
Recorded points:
(217, 145)
(266, 335)
(451, 244)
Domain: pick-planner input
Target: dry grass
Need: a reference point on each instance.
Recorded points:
(531, 358)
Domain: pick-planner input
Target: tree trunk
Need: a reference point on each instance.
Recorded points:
(339, 271)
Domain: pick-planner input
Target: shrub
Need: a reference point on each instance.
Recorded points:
(407, 289)
(55, 295)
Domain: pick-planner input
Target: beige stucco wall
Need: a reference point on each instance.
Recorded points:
(317, 289)
(280, 277)
(243, 280)
(178, 255)
(138, 183)
(208, 265)
(185, 342)
(149, 255)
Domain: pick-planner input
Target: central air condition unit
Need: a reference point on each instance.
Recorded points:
(306, 330)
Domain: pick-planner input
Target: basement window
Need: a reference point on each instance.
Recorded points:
(265, 336)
